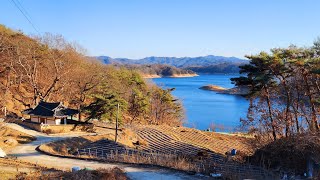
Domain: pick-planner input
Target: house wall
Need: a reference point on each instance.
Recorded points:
(51, 129)
(34, 118)
(48, 120)
(58, 122)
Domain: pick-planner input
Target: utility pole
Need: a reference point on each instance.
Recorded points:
(117, 119)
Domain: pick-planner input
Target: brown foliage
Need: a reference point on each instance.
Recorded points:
(51, 69)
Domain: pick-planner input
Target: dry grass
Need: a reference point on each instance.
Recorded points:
(10, 168)
(290, 153)
(16, 169)
(216, 142)
(99, 174)
(70, 146)
(179, 148)
(10, 137)
(178, 162)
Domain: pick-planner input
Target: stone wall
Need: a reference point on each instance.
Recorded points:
(53, 129)
(31, 125)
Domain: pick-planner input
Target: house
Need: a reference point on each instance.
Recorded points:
(50, 113)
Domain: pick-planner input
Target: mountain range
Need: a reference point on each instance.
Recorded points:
(202, 64)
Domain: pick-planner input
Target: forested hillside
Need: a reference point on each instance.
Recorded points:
(160, 70)
(223, 68)
(204, 64)
(49, 68)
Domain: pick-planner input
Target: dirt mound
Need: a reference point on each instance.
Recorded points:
(290, 154)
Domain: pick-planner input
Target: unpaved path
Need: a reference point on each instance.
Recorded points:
(28, 152)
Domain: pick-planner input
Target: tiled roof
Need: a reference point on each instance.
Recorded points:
(55, 109)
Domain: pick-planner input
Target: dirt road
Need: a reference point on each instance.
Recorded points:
(27, 152)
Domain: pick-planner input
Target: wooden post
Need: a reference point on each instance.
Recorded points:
(116, 135)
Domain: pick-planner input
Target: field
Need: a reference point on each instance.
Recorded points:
(174, 147)
(15, 169)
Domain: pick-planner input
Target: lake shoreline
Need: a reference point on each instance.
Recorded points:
(203, 107)
(151, 76)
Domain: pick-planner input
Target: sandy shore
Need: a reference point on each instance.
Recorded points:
(148, 76)
(183, 75)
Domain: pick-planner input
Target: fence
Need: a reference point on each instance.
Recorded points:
(176, 161)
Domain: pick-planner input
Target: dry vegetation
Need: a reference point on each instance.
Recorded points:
(216, 142)
(20, 170)
(11, 168)
(51, 69)
(10, 138)
(174, 147)
(69, 146)
(99, 174)
(289, 154)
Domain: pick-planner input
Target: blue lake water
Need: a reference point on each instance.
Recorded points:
(205, 107)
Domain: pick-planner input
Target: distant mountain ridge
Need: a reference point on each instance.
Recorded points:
(202, 64)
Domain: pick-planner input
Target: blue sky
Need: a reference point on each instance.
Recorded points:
(140, 28)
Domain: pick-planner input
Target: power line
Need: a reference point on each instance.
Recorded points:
(25, 11)
(25, 15)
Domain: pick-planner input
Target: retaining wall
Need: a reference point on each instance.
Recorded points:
(53, 129)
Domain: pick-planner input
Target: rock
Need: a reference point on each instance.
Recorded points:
(2, 153)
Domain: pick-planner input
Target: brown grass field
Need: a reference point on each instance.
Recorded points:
(12, 169)
(174, 147)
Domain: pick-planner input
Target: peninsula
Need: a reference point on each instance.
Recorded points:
(241, 90)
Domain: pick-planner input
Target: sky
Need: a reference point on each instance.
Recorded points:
(140, 28)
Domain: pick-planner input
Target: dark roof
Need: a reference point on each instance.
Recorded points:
(27, 111)
(55, 109)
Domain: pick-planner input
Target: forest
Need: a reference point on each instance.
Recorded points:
(48, 68)
(161, 70)
(284, 91)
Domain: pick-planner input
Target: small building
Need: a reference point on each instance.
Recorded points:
(50, 113)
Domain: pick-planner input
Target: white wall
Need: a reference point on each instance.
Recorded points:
(58, 121)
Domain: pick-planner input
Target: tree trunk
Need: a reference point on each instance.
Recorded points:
(314, 123)
(287, 106)
(270, 114)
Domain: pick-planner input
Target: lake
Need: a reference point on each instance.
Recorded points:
(207, 107)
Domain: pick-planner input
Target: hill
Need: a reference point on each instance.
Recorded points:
(202, 64)
(160, 70)
(48, 68)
